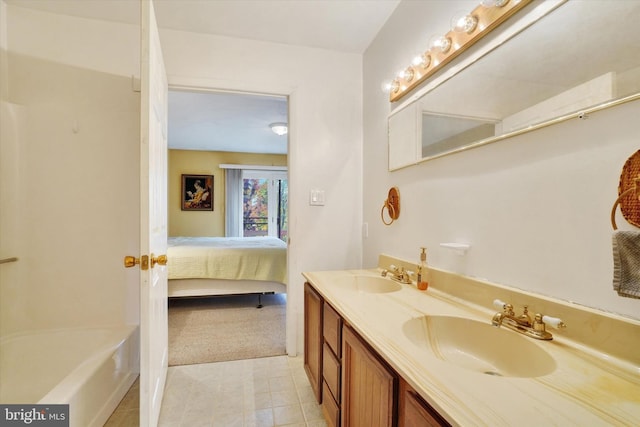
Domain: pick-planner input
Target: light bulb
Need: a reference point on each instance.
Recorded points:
(464, 23)
(423, 60)
(440, 43)
(409, 74)
(390, 86)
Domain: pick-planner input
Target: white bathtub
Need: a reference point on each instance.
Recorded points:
(90, 369)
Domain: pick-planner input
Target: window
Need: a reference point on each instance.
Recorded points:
(265, 196)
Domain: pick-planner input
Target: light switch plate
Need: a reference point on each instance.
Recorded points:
(316, 197)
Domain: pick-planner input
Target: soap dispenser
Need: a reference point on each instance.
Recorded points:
(423, 273)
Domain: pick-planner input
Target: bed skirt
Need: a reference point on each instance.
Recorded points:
(212, 287)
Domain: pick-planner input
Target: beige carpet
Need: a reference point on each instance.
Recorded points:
(204, 330)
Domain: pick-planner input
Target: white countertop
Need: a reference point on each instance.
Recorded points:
(587, 388)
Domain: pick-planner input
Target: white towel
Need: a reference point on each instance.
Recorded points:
(626, 263)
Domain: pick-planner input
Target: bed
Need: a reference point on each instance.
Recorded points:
(205, 266)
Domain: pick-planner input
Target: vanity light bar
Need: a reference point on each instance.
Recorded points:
(434, 59)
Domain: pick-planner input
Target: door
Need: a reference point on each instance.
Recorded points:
(153, 220)
(368, 386)
(264, 203)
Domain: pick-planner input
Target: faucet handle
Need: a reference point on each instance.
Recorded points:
(499, 304)
(505, 307)
(540, 323)
(553, 321)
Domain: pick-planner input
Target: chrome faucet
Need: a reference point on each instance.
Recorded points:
(523, 323)
(399, 274)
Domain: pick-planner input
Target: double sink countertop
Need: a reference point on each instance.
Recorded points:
(442, 343)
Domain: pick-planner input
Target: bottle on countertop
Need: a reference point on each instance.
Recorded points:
(423, 273)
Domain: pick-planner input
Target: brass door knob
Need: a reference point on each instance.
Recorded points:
(160, 259)
(131, 261)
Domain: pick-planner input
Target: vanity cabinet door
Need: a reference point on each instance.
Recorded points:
(413, 411)
(313, 339)
(368, 385)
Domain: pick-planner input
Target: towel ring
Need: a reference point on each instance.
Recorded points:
(624, 194)
(629, 192)
(392, 204)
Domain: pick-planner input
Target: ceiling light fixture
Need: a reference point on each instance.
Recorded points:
(279, 128)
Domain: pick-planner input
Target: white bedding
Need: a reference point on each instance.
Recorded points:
(230, 258)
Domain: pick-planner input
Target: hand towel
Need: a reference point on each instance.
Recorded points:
(626, 263)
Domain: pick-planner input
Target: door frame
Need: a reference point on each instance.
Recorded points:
(294, 295)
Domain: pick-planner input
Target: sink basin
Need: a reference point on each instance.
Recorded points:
(371, 284)
(479, 346)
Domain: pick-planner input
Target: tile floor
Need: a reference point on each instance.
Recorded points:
(271, 391)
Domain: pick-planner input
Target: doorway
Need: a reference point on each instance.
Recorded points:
(207, 131)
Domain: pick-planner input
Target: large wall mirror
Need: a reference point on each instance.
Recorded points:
(576, 58)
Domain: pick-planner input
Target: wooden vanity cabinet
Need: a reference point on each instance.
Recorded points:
(413, 411)
(313, 340)
(368, 385)
(353, 383)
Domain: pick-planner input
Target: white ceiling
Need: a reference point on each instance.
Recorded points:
(226, 122)
(240, 123)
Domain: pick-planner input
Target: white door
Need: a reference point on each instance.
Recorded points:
(153, 220)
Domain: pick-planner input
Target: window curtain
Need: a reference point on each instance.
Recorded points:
(233, 190)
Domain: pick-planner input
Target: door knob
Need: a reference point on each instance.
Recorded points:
(160, 259)
(131, 261)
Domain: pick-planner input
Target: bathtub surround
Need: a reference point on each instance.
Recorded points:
(70, 137)
(72, 120)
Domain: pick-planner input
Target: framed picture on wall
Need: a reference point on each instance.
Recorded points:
(197, 192)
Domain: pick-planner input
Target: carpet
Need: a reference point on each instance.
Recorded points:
(216, 329)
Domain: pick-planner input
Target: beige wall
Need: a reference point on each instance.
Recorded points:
(534, 208)
(206, 223)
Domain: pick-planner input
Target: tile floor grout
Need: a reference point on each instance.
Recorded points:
(265, 392)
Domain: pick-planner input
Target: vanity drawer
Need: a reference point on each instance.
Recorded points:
(330, 408)
(331, 372)
(332, 327)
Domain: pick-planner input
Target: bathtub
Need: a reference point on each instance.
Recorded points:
(91, 369)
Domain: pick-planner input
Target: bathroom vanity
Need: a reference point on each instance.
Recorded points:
(339, 361)
(382, 353)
